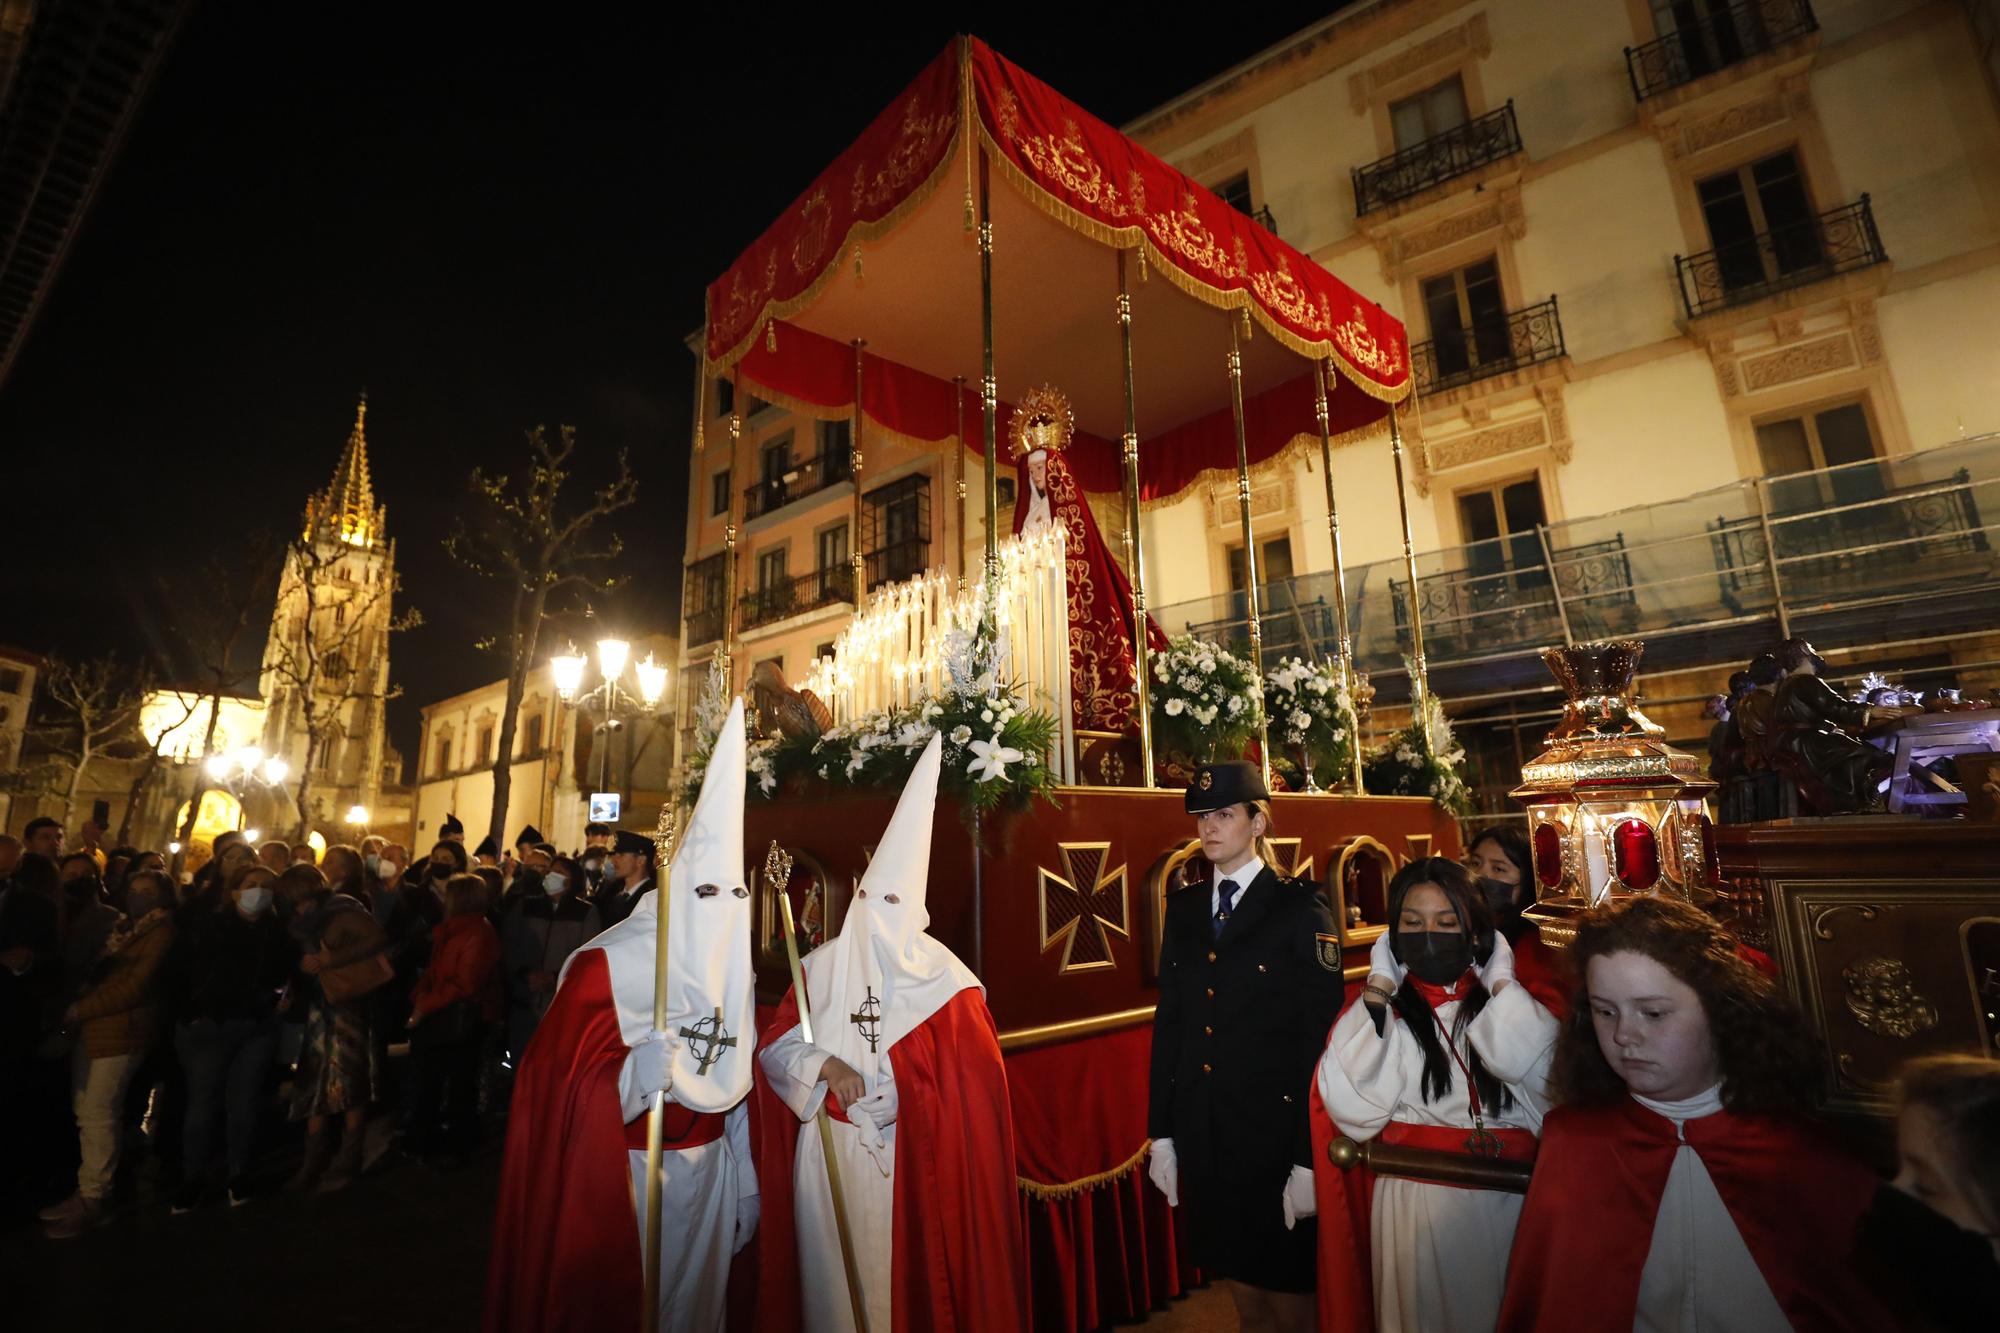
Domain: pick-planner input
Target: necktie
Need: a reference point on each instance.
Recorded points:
(1228, 889)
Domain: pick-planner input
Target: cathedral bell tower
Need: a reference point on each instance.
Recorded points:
(326, 661)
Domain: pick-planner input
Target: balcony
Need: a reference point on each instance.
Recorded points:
(1460, 356)
(833, 586)
(897, 561)
(1716, 42)
(1884, 551)
(703, 626)
(1840, 241)
(1493, 137)
(1262, 217)
(797, 482)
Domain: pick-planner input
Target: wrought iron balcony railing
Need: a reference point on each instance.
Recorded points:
(1839, 241)
(1461, 356)
(797, 482)
(1262, 217)
(703, 626)
(1716, 42)
(896, 561)
(1491, 138)
(790, 597)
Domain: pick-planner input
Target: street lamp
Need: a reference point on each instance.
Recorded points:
(610, 698)
(357, 815)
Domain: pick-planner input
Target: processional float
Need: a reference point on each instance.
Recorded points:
(905, 291)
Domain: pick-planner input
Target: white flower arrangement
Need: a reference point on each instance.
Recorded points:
(1206, 701)
(1311, 715)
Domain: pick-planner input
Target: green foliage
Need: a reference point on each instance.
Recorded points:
(1423, 759)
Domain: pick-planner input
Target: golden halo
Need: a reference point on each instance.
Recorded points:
(1042, 419)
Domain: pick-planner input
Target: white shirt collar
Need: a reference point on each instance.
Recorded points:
(1689, 1108)
(1243, 876)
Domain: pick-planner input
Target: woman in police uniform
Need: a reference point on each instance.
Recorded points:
(1250, 983)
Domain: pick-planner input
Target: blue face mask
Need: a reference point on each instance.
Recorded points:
(554, 883)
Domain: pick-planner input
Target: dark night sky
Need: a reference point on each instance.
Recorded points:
(487, 223)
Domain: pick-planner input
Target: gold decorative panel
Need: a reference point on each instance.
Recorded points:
(1083, 908)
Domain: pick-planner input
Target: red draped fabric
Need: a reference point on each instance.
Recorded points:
(1094, 181)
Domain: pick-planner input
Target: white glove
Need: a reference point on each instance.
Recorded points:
(1300, 1201)
(1500, 967)
(1164, 1170)
(649, 1067)
(1382, 962)
(865, 1115)
(748, 1209)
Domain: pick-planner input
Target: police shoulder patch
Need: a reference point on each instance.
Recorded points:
(1326, 948)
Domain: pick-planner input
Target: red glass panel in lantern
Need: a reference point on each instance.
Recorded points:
(1549, 854)
(1711, 862)
(1635, 854)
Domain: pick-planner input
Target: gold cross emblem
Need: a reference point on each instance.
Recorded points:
(1079, 908)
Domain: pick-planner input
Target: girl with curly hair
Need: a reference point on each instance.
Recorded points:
(1680, 1183)
(1445, 1052)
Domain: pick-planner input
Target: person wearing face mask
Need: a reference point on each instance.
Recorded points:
(630, 878)
(239, 960)
(1445, 1053)
(539, 934)
(113, 1022)
(1682, 1183)
(1503, 870)
(906, 1063)
(1250, 981)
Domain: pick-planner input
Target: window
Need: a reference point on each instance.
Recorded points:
(1711, 38)
(1236, 192)
(777, 459)
(531, 734)
(836, 449)
(830, 548)
(771, 568)
(10, 680)
(1274, 563)
(1497, 523)
(485, 742)
(443, 756)
(896, 529)
(1430, 113)
(725, 398)
(1468, 318)
(822, 650)
(1826, 437)
(335, 667)
(1004, 487)
(718, 492)
(1760, 221)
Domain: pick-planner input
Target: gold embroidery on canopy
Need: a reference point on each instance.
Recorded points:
(816, 220)
(1187, 235)
(1364, 349)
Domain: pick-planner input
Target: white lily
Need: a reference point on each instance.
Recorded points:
(990, 759)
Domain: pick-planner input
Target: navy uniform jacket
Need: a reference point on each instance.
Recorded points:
(1237, 1036)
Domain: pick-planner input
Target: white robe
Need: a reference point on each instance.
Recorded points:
(1699, 1275)
(709, 1211)
(868, 1189)
(1439, 1252)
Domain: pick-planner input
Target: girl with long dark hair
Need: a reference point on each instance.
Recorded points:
(1446, 1052)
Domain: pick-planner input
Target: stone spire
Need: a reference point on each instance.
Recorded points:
(346, 508)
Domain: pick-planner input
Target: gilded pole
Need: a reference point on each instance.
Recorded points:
(854, 468)
(989, 388)
(1249, 545)
(1135, 554)
(665, 834)
(736, 401)
(958, 406)
(1322, 384)
(1419, 672)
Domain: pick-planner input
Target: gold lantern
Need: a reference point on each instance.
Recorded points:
(1613, 810)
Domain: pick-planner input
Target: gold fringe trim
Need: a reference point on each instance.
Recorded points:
(1303, 447)
(855, 235)
(1035, 1189)
(1131, 237)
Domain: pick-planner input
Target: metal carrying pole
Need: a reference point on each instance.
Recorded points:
(1135, 554)
(854, 466)
(1771, 557)
(777, 874)
(1249, 546)
(1419, 672)
(665, 834)
(958, 407)
(736, 399)
(989, 388)
(1322, 386)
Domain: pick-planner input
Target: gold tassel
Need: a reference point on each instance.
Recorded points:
(1245, 312)
(1036, 1189)
(1142, 262)
(771, 336)
(971, 224)
(857, 262)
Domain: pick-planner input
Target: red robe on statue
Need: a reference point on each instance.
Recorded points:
(957, 1252)
(1588, 1221)
(1101, 661)
(565, 1251)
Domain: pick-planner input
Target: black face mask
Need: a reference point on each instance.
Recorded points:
(1436, 956)
(1498, 896)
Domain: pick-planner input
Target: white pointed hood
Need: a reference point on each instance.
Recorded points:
(882, 975)
(710, 983)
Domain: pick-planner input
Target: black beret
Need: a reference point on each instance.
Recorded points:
(1217, 785)
(632, 844)
(528, 834)
(451, 826)
(486, 847)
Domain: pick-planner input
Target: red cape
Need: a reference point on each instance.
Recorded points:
(1347, 1198)
(1102, 663)
(1588, 1220)
(565, 1236)
(957, 1253)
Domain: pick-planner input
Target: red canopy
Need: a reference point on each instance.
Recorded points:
(874, 249)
